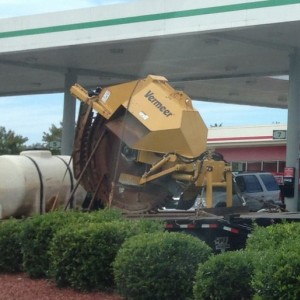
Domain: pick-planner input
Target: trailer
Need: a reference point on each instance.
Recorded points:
(222, 229)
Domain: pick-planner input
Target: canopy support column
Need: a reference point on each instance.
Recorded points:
(292, 153)
(68, 129)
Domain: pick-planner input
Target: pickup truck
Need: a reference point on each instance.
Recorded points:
(258, 190)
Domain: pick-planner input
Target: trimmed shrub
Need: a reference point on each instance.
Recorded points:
(158, 265)
(225, 276)
(35, 238)
(39, 230)
(273, 237)
(10, 246)
(277, 273)
(276, 261)
(103, 215)
(37, 234)
(136, 227)
(81, 257)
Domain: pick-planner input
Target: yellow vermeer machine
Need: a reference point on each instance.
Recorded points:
(140, 143)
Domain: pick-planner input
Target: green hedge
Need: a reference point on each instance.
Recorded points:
(269, 267)
(225, 276)
(277, 261)
(139, 226)
(82, 257)
(39, 230)
(274, 236)
(103, 215)
(35, 238)
(159, 265)
(277, 273)
(88, 251)
(10, 246)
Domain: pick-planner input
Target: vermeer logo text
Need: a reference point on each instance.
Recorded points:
(150, 96)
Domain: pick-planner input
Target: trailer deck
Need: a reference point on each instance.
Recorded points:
(221, 228)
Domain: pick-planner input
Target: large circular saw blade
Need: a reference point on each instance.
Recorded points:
(98, 163)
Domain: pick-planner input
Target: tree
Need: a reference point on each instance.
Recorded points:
(10, 143)
(53, 138)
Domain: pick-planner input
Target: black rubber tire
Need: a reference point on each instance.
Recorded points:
(185, 204)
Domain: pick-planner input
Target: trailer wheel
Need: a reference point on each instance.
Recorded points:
(185, 204)
(221, 204)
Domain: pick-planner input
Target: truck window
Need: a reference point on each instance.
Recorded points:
(269, 182)
(249, 184)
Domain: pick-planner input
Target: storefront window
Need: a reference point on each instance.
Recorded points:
(258, 166)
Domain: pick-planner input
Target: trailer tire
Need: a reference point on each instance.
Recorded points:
(185, 204)
(221, 204)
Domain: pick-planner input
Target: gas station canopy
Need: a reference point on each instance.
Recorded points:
(233, 51)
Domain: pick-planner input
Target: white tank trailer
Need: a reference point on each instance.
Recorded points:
(35, 182)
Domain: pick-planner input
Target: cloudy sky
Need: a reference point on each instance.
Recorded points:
(25, 115)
